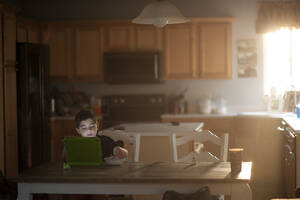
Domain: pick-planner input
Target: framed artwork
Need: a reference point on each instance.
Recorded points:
(247, 58)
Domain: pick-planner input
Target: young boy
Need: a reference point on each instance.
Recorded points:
(87, 126)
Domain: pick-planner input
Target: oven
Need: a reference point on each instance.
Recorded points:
(133, 108)
(289, 156)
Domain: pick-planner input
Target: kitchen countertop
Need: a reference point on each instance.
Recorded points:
(237, 114)
(68, 117)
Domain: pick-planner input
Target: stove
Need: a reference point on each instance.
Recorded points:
(119, 109)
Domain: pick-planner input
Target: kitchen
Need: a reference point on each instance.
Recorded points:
(241, 94)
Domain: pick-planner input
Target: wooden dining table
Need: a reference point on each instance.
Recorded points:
(136, 178)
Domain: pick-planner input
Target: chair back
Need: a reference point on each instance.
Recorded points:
(198, 154)
(133, 140)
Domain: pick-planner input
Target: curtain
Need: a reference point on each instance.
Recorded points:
(274, 15)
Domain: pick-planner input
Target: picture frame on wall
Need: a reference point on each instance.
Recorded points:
(247, 58)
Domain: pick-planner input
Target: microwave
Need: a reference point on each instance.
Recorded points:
(132, 67)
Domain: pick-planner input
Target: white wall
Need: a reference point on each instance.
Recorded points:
(239, 92)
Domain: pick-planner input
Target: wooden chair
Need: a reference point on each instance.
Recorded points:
(133, 141)
(198, 154)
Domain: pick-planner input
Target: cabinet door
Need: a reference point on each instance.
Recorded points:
(1, 123)
(11, 121)
(28, 33)
(9, 38)
(119, 37)
(59, 130)
(21, 33)
(179, 52)
(88, 44)
(2, 142)
(34, 33)
(148, 38)
(214, 50)
(10, 94)
(60, 51)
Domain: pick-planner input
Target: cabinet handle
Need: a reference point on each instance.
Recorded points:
(291, 135)
(279, 128)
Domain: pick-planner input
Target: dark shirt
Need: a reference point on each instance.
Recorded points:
(108, 145)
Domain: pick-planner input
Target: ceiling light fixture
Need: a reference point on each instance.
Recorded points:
(160, 13)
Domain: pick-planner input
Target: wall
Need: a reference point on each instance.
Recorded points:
(238, 92)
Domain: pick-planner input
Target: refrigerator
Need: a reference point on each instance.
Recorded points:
(33, 104)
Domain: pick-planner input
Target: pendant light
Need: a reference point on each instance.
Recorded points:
(160, 13)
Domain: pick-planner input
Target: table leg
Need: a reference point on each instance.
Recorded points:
(241, 191)
(23, 193)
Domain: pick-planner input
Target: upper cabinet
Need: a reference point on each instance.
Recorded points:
(200, 49)
(88, 53)
(29, 30)
(9, 38)
(60, 52)
(119, 37)
(148, 38)
(179, 59)
(214, 50)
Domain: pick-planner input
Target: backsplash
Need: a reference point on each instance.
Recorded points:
(236, 100)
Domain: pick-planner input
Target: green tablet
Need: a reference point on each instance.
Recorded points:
(83, 151)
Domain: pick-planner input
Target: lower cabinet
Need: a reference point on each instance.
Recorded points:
(59, 129)
(262, 145)
(258, 136)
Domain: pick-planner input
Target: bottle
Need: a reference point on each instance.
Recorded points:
(52, 106)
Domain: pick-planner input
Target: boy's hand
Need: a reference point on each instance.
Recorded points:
(120, 152)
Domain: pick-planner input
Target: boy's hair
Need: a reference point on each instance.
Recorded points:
(83, 115)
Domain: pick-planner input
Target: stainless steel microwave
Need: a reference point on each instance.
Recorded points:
(132, 67)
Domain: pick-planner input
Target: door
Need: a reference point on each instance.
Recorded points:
(89, 51)
(214, 50)
(179, 52)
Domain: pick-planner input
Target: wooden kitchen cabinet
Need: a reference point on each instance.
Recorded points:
(179, 48)
(214, 50)
(200, 49)
(88, 53)
(61, 52)
(28, 30)
(148, 37)
(262, 145)
(9, 123)
(9, 38)
(124, 36)
(60, 128)
(119, 37)
(76, 52)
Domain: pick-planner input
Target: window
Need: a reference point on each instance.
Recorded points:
(282, 60)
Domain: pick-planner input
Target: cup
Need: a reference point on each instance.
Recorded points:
(235, 157)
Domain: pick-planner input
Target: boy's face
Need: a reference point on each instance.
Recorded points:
(87, 128)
